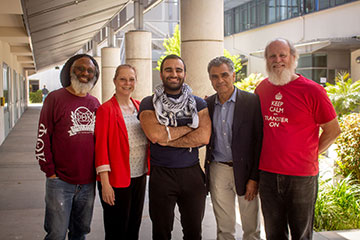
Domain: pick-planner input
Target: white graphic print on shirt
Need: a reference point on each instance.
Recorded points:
(275, 109)
(83, 121)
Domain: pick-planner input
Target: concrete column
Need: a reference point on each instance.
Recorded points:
(138, 15)
(111, 40)
(96, 91)
(110, 59)
(138, 54)
(202, 37)
(355, 66)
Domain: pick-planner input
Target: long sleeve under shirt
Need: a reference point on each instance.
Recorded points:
(222, 126)
(65, 144)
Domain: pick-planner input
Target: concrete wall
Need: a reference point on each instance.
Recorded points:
(338, 22)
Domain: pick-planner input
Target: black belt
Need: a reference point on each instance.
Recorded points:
(230, 164)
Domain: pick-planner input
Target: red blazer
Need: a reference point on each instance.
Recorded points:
(112, 144)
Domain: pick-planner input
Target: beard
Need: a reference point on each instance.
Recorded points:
(173, 87)
(283, 77)
(80, 87)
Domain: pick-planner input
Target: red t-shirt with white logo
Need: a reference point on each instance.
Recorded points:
(292, 114)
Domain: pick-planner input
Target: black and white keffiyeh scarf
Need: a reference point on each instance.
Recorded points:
(168, 109)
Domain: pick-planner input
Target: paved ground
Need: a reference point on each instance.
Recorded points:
(22, 193)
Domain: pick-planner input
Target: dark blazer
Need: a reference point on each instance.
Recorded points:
(247, 133)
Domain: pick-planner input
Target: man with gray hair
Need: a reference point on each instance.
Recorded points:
(65, 150)
(294, 108)
(232, 156)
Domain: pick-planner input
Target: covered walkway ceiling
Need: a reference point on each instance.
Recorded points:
(44, 33)
(58, 29)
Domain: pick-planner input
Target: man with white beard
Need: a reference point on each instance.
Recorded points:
(294, 109)
(65, 150)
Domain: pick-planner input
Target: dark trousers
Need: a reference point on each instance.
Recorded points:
(288, 202)
(184, 187)
(122, 221)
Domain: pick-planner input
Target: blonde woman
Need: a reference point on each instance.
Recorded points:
(121, 159)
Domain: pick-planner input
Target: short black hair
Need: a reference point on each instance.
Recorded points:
(65, 71)
(172, 56)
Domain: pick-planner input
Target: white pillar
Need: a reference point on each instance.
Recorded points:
(138, 54)
(202, 37)
(110, 59)
(355, 66)
(96, 91)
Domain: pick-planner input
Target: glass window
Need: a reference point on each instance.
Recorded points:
(16, 87)
(282, 4)
(252, 15)
(6, 78)
(305, 72)
(320, 60)
(338, 2)
(237, 20)
(229, 23)
(244, 18)
(293, 8)
(323, 4)
(262, 13)
(304, 61)
(319, 73)
(309, 6)
(271, 12)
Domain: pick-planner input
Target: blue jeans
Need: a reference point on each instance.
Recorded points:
(68, 207)
(288, 202)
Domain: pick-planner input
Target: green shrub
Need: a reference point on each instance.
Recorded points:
(35, 97)
(250, 83)
(345, 94)
(348, 146)
(337, 206)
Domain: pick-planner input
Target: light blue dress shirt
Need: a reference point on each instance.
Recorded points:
(222, 126)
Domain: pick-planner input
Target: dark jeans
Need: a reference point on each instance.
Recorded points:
(184, 187)
(288, 202)
(69, 207)
(122, 221)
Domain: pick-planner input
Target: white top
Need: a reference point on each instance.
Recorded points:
(138, 143)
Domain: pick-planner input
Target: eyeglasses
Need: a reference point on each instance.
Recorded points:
(82, 69)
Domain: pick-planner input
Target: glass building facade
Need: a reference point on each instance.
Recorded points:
(257, 13)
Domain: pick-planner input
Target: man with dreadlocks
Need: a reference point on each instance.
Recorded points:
(65, 150)
(177, 123)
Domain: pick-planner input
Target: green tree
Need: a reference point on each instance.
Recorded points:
(344, 95)
(250, 83)
(235, 59)
(172, 46)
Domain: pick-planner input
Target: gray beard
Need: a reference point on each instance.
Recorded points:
(80, 87)
(280, 79)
